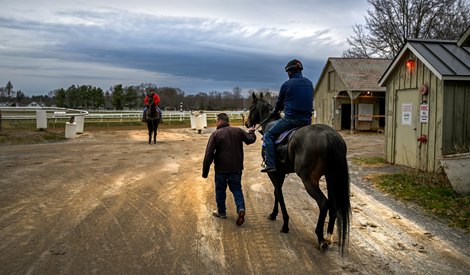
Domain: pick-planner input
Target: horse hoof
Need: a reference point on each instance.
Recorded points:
(323, 245)
(329, 238)
(284, 230)
(271, 217)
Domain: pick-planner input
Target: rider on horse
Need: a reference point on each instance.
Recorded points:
(152, 115)
(151, 97)
(296, 99)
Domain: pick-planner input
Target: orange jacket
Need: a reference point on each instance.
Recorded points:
(156, 99)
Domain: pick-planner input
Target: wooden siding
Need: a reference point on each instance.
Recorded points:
(324, 103)
(320, 104)
(456, 120)
(403, 79)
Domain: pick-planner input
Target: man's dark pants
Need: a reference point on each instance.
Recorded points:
(233, 181)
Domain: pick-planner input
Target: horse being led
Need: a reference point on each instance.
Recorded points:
(312, 151)
(153, 119)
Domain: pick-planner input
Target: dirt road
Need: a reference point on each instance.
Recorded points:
(109, 203)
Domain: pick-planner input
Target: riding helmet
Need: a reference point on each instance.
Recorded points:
(294, 65)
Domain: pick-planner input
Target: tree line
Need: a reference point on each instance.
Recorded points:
(121, 97)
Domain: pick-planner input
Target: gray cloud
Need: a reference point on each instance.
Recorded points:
(104, 48)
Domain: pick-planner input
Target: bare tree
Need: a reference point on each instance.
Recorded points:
(390, 22)
(9, 89)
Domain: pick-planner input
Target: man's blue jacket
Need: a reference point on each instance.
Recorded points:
(296, 98)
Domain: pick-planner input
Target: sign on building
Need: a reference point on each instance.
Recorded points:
(406, 113)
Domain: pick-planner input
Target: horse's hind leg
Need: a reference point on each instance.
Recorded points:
(314, 191)
(332, 213)
(154, 135)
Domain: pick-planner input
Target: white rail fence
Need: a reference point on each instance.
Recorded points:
(55, 114)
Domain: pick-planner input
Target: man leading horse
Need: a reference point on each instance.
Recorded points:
(296, 99)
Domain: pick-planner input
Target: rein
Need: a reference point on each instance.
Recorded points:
(261, 123)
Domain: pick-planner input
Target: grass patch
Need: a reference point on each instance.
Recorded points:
(431, 191)
(372, 161)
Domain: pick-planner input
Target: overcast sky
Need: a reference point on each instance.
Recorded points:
(194, 45)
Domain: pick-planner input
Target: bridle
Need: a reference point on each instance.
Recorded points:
(266, 120)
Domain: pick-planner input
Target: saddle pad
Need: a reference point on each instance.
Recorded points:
(285, 134)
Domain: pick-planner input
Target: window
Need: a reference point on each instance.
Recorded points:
(331, 81)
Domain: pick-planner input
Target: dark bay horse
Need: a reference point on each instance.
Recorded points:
(153, 118)
(313, 151)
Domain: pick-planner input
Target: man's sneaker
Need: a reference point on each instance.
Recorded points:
(241, 217)
(268, 170)
(218, 215)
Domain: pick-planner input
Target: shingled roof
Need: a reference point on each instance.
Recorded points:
(359, 74)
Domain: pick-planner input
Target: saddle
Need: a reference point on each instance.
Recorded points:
(285, 136)
(281, 145)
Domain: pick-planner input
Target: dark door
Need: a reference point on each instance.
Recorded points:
(382, 113)
(345, 116)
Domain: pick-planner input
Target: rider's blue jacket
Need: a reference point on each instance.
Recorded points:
(296, 98)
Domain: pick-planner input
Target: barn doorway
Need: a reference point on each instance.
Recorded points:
(382, 113)
(345, 116)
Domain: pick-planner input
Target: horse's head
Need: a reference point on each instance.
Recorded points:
(152, 111)
(259, 110)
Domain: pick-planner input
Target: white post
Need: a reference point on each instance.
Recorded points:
(70, 129)
(80, 120)
(41, 119)
(193, 121)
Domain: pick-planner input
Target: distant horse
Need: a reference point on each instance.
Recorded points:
(153, 118)
(311, 152)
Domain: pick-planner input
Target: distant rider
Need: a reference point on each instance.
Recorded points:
(150, 97)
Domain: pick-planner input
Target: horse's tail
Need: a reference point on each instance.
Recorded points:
(337, 178)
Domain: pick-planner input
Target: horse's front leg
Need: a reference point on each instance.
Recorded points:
(154, 135)
(277, 179)
(155, 129)
(149, 127)
(273, 215)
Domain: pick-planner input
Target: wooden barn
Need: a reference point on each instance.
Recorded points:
(427, 102)
(347, 94)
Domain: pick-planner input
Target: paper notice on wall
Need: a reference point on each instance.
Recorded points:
(366, 112)
(423, 113)
(406, 113)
